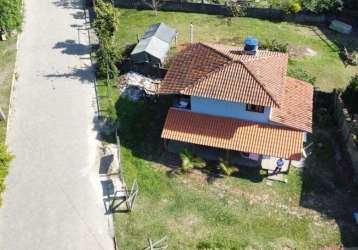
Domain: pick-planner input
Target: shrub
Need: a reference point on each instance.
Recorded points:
(10, 14)
(226, 168)
(5, 159)
(274, 45)
(322, 6)
(315, 6)
(295, 8)
(189, 161)
(302, 75)
(350, 58)
(288, 6)
(350, 95)
(291, 7)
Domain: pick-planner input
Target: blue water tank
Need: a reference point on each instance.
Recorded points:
(251, 45)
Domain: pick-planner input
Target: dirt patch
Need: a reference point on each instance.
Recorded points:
(295, 51)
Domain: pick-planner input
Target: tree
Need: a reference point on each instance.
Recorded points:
(10, 14)
(105, 25)
(154, 4)
(106, 22)
(350, 95)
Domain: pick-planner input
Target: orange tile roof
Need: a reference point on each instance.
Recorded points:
(192, 63)
(262, 76)
(232, 134)
(297, 106)
(223, 85)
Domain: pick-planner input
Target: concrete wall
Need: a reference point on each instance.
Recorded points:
(344, 123)
(227, 109)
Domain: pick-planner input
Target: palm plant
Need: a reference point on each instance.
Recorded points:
(189, 161)
(226, 168)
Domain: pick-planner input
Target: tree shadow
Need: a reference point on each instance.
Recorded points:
(337, 41)
(71, 47)
(68, 4)
(85, 75)
(327, 185)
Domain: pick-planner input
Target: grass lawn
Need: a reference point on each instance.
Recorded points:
(326, 66)
(7, 63)
(223, 213)
(196, 212)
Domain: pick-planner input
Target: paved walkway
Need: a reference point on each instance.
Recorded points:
(53, 198)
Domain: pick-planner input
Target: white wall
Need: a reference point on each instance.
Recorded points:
(227, 109)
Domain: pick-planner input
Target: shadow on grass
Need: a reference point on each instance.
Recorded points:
(341, 41)
(140, 127)
(323, 190)
(327, 185)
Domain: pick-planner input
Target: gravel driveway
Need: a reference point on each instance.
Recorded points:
(53, 198)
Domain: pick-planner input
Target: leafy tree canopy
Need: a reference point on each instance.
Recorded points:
(322, 6)
(10, 14)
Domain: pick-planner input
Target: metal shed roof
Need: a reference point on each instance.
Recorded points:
(152, 46)
(156, 41)
(161, 31)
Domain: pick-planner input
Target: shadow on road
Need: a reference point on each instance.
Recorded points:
(68, 4)
(85, 75)
(71, 47)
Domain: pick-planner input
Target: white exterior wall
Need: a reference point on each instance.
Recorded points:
(228, 109)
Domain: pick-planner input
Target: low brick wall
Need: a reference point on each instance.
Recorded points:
(344, 123)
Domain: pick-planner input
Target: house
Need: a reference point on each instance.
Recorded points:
(236, 103)
(154, 46)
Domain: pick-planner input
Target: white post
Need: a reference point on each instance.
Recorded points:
(191, 35)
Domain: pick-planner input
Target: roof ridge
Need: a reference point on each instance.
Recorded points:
(260, 84)
(274, 54)
(217, 51)
(221, 68)
(207, 76)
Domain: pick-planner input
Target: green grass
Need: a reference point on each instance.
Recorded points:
(230, 213)
(194, 214)
(7, 63)
(326, 66)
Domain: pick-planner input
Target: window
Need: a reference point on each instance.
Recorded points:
(255, 108)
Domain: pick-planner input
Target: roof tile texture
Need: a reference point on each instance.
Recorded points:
(297, 106)
(228, 68)
(232, 134)
(191, 64)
